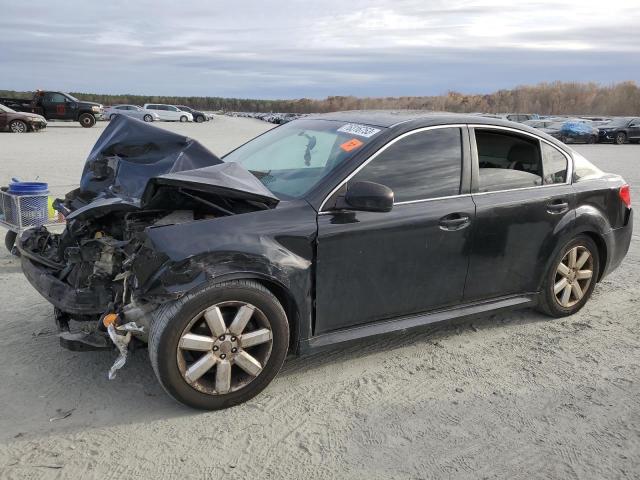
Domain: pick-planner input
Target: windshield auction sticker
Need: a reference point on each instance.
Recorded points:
(351, 145)
(360, 130)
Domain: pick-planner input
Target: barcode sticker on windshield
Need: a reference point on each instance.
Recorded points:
(360, 130)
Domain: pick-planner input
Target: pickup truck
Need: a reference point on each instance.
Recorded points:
(57, 106)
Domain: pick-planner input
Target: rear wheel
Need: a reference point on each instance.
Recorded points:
(219, 346)
(621, 138)
(183, 118)
(18, 126)
(147, 118)
(87, 120)
(571, 278)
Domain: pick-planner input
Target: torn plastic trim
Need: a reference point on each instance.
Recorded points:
(122, 343)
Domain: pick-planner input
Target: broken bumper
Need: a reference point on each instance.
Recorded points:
(61, 294)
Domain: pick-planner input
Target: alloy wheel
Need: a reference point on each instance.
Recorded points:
(573, 276)
(18, 127)
(224, 348)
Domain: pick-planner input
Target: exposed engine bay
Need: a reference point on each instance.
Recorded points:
(137, 177)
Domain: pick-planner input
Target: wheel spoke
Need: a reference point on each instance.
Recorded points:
(583, 259)
(247, 363)
(563, 270)
(199, 368)
(191, 341)
(255, 338)
(584, 274)
(213, 317)
(561, 285)
(223, 376)
(566, 295)
(241, 319)
(573, 255)
(577, 291)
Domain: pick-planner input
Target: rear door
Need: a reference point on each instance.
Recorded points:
(373, 266)
(523, 195)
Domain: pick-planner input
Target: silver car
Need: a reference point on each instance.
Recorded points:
(131, 111)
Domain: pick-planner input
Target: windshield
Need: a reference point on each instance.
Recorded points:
(7, 109)
(290, 160)
(617, 122)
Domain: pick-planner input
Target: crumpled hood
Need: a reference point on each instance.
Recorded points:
(228, 179)
(135, 165)
(130, 152)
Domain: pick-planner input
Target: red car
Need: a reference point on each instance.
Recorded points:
(20, 122)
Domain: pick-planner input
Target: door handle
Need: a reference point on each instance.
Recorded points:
(559, 206)
(454, 221)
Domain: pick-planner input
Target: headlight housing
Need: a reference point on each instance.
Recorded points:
(95, 108)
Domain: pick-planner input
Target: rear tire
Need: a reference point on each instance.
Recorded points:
(173, 362)
(147, 118)
(560, 296)
(18, 126)
(87, 120)
(621, 138)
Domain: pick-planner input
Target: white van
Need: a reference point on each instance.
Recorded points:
(169, 113)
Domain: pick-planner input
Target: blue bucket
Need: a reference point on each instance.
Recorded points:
(29, 207)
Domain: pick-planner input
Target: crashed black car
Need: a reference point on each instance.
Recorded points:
(321, 231)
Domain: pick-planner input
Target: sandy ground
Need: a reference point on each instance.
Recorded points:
(515, 396)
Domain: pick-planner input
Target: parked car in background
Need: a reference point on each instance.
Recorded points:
(131, 111)
(620, 130)
(169, 113)
(198, 116)
(323, 231)
(20, 122)
(572, 131)
(57, 106)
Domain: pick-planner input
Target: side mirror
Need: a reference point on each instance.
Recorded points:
(368, 197)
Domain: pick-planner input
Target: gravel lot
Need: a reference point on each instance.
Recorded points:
(515, 396)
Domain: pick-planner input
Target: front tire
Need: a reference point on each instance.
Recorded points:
(183, 118)
(18, 126)
(219, 346)
(147, 118)
(199, 119)
(87, 120)
(621, 138)
(571, 278)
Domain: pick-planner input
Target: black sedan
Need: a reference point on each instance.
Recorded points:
(198, 116)
(620, 130)
(321, 231)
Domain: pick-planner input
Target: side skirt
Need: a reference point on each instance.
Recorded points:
(405, 323)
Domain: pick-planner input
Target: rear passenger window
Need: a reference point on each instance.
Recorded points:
(554, 165)
(420, 166)
(507, 161)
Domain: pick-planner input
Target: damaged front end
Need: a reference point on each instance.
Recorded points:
(137, 178)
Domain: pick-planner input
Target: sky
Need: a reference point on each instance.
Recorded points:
(313, 49)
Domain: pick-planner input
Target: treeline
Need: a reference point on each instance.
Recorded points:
(555, 98)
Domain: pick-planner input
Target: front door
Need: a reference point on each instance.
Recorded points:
(634, 129)
(374, 266)
(522, 198)
(54, 105)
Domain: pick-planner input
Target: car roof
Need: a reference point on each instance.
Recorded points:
(391, 118)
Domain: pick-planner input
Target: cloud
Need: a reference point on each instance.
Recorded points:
(295, 48)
